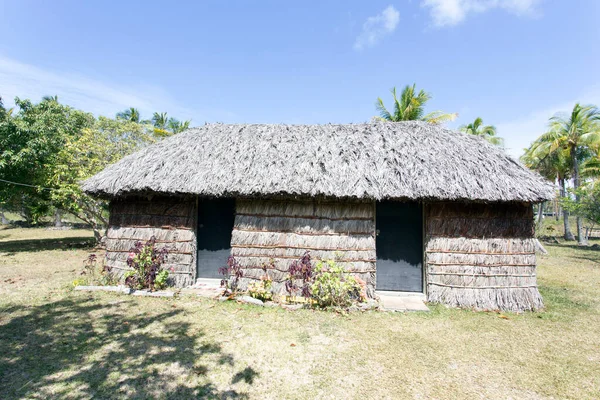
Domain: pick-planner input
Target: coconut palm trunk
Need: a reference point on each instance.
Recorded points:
(580, 236)
(563, 192)
(540, 216)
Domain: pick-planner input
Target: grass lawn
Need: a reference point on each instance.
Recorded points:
(56, 343)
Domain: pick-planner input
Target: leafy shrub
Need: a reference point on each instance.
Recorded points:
(146, 261)
(95, 273)
(162, 279)
(333, 286)
(79, 282)
(232, 273)
(300, 270)
(326, 283)
(262, 289)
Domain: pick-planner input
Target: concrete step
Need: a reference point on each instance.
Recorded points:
(403, 303)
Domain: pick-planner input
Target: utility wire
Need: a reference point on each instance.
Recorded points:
(25, 184)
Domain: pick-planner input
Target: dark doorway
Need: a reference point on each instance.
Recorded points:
(399, 246)
(215, 223)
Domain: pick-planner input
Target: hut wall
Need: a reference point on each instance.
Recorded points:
(171, 220)
(283, 230)
(481, 256)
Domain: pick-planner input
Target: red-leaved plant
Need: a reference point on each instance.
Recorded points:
(301, 269)
(146, 260)
(232, 273)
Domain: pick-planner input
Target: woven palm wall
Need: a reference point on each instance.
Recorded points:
(481, 256)
(283, 230)
(171, 220)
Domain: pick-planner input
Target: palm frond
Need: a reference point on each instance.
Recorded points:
(439, 117)
(384, 114)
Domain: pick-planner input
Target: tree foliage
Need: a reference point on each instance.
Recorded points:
(588, 205)
(410, 106)
(488, 132)
(162, 125)
(30, 143)
(131, 114)
(98, 146)
(48, 148)
(577, 134)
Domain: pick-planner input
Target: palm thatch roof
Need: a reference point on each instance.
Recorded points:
(401, 160)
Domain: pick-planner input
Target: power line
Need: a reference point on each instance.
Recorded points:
(27, 185)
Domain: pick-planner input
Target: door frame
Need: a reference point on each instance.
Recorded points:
(423, 292)
(206, 281)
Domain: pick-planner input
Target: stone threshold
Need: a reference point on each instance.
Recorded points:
(402, 301)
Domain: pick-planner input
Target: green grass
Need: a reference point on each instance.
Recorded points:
(56, 343)
(48, 219)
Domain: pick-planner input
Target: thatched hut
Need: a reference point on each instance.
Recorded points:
(408, 207)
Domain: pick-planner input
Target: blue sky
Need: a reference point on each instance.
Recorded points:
(512, 62)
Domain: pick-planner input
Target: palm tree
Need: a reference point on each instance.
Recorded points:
(410, 107)
(50, 98)
(551, 164)
(160, 120)
(488, 132)
(131, 114)
(177, 126)
(578, 134)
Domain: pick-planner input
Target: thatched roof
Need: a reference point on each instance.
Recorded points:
(406, 160)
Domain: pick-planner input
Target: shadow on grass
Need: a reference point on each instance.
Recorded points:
(594, 248)
(562, 298)
(62, 349)
(587, 253)
(31, 245)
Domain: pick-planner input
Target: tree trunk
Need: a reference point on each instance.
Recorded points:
(57, 219)
(540, 216)
(565, 213)
(580, 236)
(99, 234)
(3, 219)
(588, 232)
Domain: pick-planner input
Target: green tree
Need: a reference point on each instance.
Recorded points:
(578, 133)
(160, 120)
(588, 206)
(131, 114)
(104, 143)
(6, 130)
(29, 145)
(488, 132)
(177, 126)
(411, 107)
(165, 126)
(553, 164)
(49, 148)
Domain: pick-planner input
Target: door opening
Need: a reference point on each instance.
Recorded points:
(399, 246)
(213, 235)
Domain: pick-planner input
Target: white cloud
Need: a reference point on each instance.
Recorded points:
(453, 12)
(521, 131)
(100, 98)
(377, 27)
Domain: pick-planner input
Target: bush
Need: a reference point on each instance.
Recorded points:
(95, 273)
(232, 273)
(262, 289)
(334, 287)
(300, 270)
(326, 284)
(146, 261)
